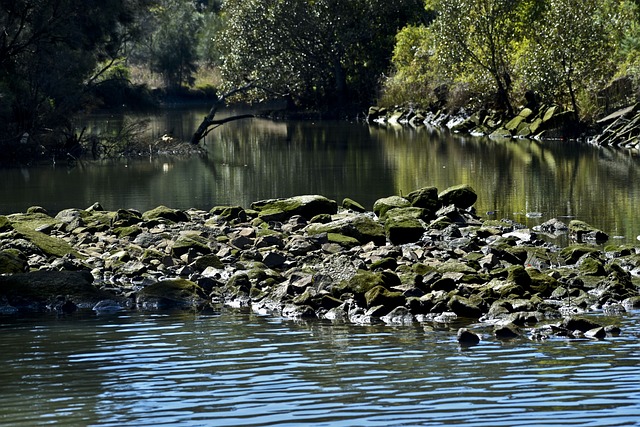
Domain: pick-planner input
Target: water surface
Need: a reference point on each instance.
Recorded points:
(233, 368)
(528, 181)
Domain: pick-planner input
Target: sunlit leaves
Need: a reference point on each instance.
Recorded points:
(570, 50)
(475, 37)
(317, 51)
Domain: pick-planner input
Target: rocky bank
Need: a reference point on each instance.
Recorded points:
(619, 129)
(425, 257)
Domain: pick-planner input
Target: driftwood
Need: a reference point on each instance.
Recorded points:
(620, 129)
(209, 122)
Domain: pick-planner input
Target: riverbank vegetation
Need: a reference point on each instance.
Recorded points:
(502, 54)
(60, 58)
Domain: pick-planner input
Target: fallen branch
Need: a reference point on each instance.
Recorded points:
(209, 121)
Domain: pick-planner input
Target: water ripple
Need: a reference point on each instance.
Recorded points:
(233, 369)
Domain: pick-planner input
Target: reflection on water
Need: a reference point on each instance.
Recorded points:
(233, 368)
(529, 181)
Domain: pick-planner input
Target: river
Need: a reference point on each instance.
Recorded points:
(230, 367)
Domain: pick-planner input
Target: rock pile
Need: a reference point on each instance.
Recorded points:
(425, 257)
(535, 121)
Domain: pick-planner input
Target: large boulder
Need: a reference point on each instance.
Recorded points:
(171, 294)
(13, 261)
(163, 212)
(360, 227)
(38, 290)
(462, 196)
(229, 213)
(381, 206)
(404, 225)
(581, 232)
(71, 218)
(28, 227)
(305, 206)
(426, 198)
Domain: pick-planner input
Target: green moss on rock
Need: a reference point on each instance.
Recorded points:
(171, 294)
(381, 206)
(462, 196)
(163, 212)
(13, 261)
(49, 245)
(381, 296)
(305, 206)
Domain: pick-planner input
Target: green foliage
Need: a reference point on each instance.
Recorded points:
(573, 50)
(317, 51)
(414, 80)
(175, 41)
(474, 39)
(499, 49)
(49, 50)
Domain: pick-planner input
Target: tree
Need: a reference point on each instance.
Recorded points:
(573, 51)
(321, 52)
(175, 42)
(474, 37)
(49, 51)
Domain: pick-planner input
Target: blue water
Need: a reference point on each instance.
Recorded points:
(234, 368)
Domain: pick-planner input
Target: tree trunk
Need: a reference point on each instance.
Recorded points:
(209, 119)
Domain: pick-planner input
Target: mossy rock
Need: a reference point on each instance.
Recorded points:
(230, 213)
(131, 231)
(581, 231)
(351, 204)
(37, 210)
(617, 251)
(519, 276)
(381, 206)
(190, 242)
(13, 261)
(591, 265)
(466, 307)
(49, 245)
(163, 212)
(501, 133)
(379, 295)
(462, 196)
(205, 261)
(360, 227)
(33, 221)
(151, 253)
(439, 223)
(321, 219)
(125, 218)
(542, 283)
(171, 294)
(512, 125)
(571, 254)
(342, 240)
(35, 290)
(425, 198)
(455, 266)
(388, 263)
(359, 284)
(5, 224)
(306, 206)
(403, 228)
(550, 112)
(534, 126)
